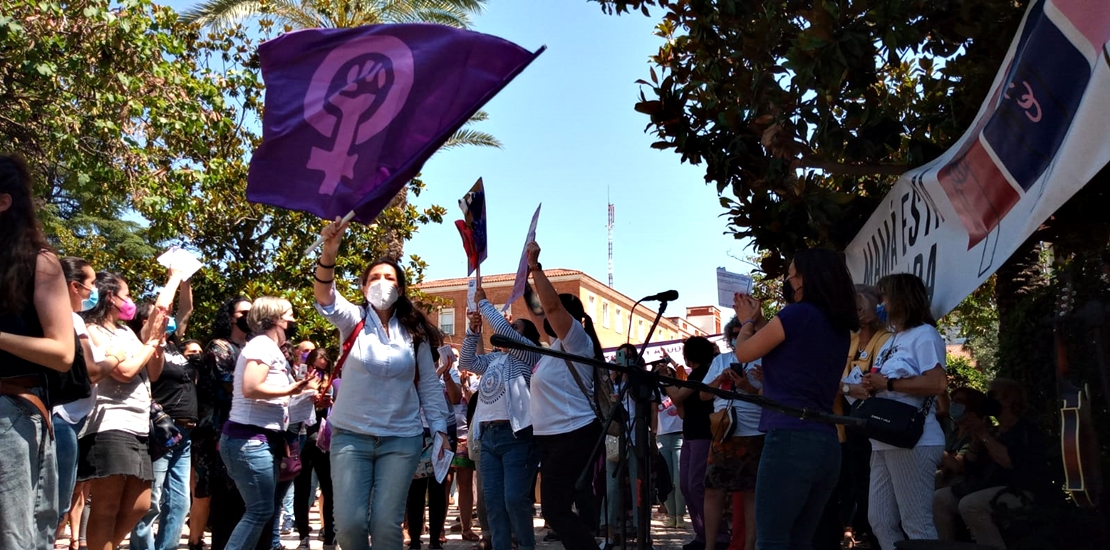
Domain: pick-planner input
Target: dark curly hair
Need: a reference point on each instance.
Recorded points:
(221, 325)
(411, 317)
(21, 237)
(699, 351)
(108, 285)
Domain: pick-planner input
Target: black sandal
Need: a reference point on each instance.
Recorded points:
(483, 544)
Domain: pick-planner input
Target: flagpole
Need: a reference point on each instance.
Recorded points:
(320, 240)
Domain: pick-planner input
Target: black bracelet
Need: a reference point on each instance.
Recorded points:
(889, 384)
(539, 267)
(325, 266)
(326, 282)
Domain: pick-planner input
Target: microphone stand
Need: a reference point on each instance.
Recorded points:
(642, 384)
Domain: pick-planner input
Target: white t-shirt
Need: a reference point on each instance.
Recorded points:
(910, 353)
(270, 414)
(121, 406)
(75, 411)
(558, 405)
(747, 414)
(493, 393)
(669, 421)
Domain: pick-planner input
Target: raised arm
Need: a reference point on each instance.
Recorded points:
(323, 284)
(184, 306)
(553, 309)
(750, 344)
(502, 327)
(469, 360)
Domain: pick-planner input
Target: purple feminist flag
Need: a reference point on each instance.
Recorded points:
(352, 114)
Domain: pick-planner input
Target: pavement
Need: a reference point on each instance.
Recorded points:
(662, 537)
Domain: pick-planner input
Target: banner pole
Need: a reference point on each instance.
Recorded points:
(320, 241)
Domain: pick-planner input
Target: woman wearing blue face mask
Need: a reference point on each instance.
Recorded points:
(964, 401)
(70, 417)
(845, 517)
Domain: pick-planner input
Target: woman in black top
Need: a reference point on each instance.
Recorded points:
(36, 335)
(176, 391)
(697, 353)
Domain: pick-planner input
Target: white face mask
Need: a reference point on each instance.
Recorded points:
(382, 294)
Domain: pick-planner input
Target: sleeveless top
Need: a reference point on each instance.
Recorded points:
(25, 323)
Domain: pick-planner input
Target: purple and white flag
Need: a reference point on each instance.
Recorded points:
(352, 114)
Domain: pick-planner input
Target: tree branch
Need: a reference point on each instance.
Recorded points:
(851, 169)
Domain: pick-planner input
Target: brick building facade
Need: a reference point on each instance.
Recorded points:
(608, 308)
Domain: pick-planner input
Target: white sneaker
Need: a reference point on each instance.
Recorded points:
(304, 544)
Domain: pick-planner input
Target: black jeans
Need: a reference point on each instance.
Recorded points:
(312, 458)
(563, 459)
(437, 509)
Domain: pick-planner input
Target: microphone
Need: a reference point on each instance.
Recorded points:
(507, 343)
(667, 296)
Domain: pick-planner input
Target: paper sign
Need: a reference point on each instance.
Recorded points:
(471, 288)
(181, 260)
(441, 465)
(731, 283)
(522, 267)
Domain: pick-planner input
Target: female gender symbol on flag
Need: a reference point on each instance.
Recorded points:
(352, 114)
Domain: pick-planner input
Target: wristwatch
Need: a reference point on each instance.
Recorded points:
(845, 388)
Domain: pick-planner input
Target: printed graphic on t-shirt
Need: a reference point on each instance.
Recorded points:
(492, 386)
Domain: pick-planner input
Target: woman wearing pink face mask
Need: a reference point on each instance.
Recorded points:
(113, 454)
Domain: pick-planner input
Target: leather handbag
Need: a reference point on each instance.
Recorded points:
(893, 422)
(290, 465)
(722, 424)
(164, 434)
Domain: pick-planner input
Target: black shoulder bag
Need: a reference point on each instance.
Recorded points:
(893, 422)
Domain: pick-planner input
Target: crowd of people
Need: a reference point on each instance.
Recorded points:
(231, 432)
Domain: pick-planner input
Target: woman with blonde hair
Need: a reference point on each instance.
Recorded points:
(910, 369)
(253, 440)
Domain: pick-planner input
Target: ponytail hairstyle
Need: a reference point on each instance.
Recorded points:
(74, 268)
(574, 307)
(411, 317)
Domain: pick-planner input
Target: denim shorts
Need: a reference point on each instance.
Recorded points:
(113, 453)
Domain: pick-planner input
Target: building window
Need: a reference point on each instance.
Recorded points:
(640, 324)
(605, 314)
(447, 321)
(508, 312)
(620, 322)
(591, 305)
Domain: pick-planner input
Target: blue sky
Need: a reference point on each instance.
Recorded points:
(571, 137)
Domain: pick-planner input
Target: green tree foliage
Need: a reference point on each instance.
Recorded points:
(139, 128)
(962, 373)
(803, 111)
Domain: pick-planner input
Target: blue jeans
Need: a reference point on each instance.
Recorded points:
(671, 450)
(614, 485)
(797, 474)
(253, 465)
(508, 468)
(371, 473)
(28, 478)
(169, 499)
(65, 445)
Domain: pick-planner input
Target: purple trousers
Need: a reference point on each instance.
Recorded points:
(692, 461)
